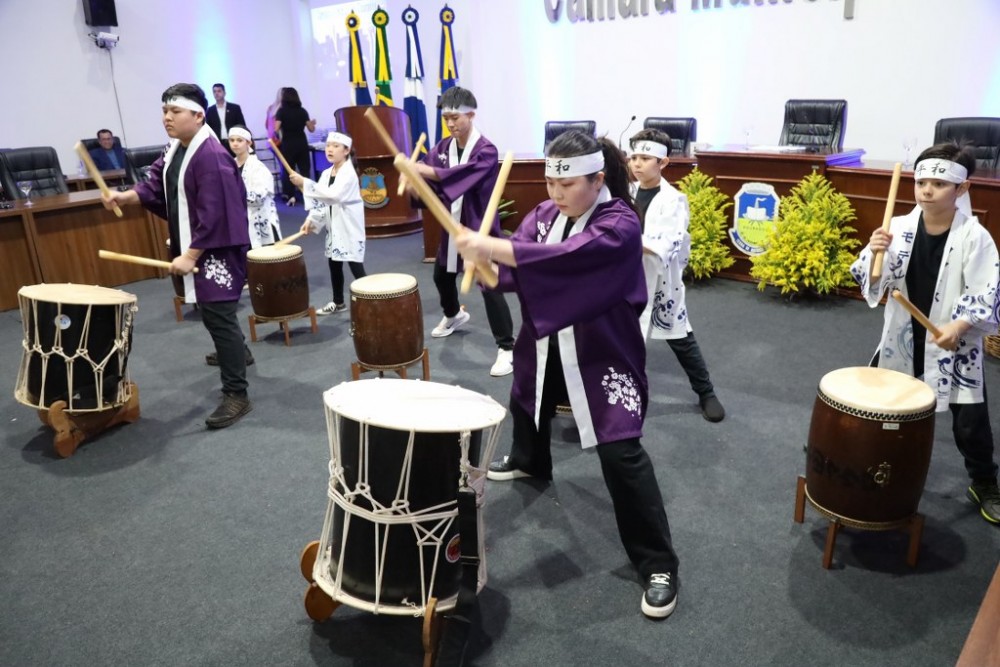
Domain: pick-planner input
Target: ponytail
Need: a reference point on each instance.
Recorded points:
(616, 172)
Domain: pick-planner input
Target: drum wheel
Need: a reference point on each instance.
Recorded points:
(319, 605)
(308, 559)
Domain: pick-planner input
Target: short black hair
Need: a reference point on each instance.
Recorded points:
(191, 91)
(455, 97)
(953, 151)
(651, 134)
(100, 132)
(219, 85)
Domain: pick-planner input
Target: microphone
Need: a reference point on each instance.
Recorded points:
(620, 136)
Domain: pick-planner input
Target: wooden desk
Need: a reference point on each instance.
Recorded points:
(56, 241)
(113, 178)
(864, 182)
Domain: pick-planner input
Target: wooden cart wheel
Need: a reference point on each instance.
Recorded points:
(308, 559)
(431, 634)
(319, 605)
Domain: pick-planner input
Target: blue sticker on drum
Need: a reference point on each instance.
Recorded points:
(63, 322)
(454, 549)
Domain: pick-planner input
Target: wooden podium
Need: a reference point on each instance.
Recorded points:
(385, 213)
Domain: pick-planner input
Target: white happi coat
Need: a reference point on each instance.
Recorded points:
(338, 207)
(666, 247)
(966, 289)
(261, 211)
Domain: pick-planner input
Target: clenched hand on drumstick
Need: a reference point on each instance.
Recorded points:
(946, 336)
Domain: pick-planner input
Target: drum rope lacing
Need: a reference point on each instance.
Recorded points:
(874, 415)
(441, 516)
(124, 314)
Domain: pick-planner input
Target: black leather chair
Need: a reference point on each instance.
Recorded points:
(819, 123)
(38, 164)
(682, 132)
(138, 161)
(554, 128)
(983, 133)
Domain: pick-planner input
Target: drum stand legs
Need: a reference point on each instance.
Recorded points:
(283, 322)
(320, 606)
(357, 368)
(914, 525)
(72, 429)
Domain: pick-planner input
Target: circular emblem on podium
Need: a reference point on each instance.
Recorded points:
(373, 191)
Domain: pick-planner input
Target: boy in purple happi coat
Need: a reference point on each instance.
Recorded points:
(195, 186)
(462, 170)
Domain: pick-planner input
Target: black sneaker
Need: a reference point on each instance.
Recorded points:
(987, 496)
(229, 411)
(711, 409)
(660, 597)
(212, 359)
(504, 471)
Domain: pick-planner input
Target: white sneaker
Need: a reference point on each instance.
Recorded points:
(449, 325)
(328, 309)
(504, 364)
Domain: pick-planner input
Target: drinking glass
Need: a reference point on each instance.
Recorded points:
(25, 187)
(747, 131)
(909, 143)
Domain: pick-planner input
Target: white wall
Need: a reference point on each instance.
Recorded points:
(901, 64)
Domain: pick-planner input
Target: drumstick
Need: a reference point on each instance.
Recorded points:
(81, 150)
(890, 204)
(289, 239)
(413, 158)
(135, 259)
(277, 153)
(491, 211)
(917, 315)
(439, 212)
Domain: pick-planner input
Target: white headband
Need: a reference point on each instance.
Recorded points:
(339, 138)
(647, 147)
(240, 132)
(461, 108)
(184, 103)
(569, 167)
(942, 170)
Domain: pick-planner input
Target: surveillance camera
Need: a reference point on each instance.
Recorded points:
(105, 40)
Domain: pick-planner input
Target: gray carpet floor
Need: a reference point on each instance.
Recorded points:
(162, 543)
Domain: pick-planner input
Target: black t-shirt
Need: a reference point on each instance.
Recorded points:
(921, 279)
(171, 186)
(642, 199)
(293, 125)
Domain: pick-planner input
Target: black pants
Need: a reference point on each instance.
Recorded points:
(628, 473)
(299, 159)
(337, 276)
(220, 319)
(689, 355)
(497, 311)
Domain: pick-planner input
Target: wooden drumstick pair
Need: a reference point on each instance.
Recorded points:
(437, 209)
(95, 174)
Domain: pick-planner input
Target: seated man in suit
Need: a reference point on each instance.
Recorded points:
(223, 115)
(107, 156)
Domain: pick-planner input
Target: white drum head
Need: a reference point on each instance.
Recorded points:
(383, 283)
(877, 390)
(76, 294)
(273, 253)
(413, 405)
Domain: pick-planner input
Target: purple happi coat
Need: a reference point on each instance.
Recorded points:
(465, 187)
(589, 290)
(212, 211)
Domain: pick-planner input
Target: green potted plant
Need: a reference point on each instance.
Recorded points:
(709, 252)
(810, 248)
